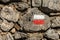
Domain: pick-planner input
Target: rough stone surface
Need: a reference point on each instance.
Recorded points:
(33, 38)
(18, 35)
(51, 33)
(36, 3)
(21, 6)
(29, 19)
(6, 36)
(55, 22)
(10, 14)
(5, 1)
(39, 35)
(27, 24)
(52, 4)
(6, 26)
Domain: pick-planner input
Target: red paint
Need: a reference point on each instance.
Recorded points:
(38, 21)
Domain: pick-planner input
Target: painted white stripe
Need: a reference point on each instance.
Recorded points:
(39, 17)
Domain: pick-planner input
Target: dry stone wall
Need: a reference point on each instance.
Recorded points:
(29, 19)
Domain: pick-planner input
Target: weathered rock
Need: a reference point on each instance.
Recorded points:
(6, 26)
(21, 6)
(5, 1)
(9, 37)
(39, 35)
(44, 39)
(1, 38)
(13, 30)
(18, 35)
(24, 1)
(36, 3)
(58, 31)
(52, 4)
(55, 21)
(52, 14)
(26, 21)
(33, 35)
(18, 27)
(51, 33)
(9, 13)
(6, 36)
(33, 38)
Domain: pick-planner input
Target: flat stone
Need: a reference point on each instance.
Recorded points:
(19, 35)
(31, 35)
(16, 26)
(52, 4)
(5, 1)
(51, 33)
(10, 13)
(33, 38)
(6, 26)
(55, 22)
(21, 6)
(13, 30)
(36, 3)
(6, 36)
(27, 24)
(54, 14)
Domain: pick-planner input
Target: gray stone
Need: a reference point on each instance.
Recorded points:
(9, 37)
(21, 6)
(51, 33)
(55, 22)
(1, 38)
(9, 13)
(31, 35)
(5, 1)
(26, 21)
(52, 14)
(33, 38)
(6, 36)
(6, 26)
(36, 3)
(24, 0)
(44, 39)
(52, 4)
(18, 35)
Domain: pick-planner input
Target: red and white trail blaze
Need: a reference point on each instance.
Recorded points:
(38, 19)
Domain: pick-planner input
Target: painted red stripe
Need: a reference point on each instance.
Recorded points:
(38, 21)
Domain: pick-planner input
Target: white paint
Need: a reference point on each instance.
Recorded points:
(39, 17)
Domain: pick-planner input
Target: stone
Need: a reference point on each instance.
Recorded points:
(44, 39)
(9, 37)
(6, 36)
(36, 3)
(33, 38)
(21, 6)
(51, 33)
(16, 26)
(55, 22)
(29, 2)
(5, 1)
(58, 31)
(27, 24)
(9, 13)
(37, 35)
(1, 38)
(52, 4)
(19, 35)
(24, 1)
(13, 30)
(54, 14)
(6, 26)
